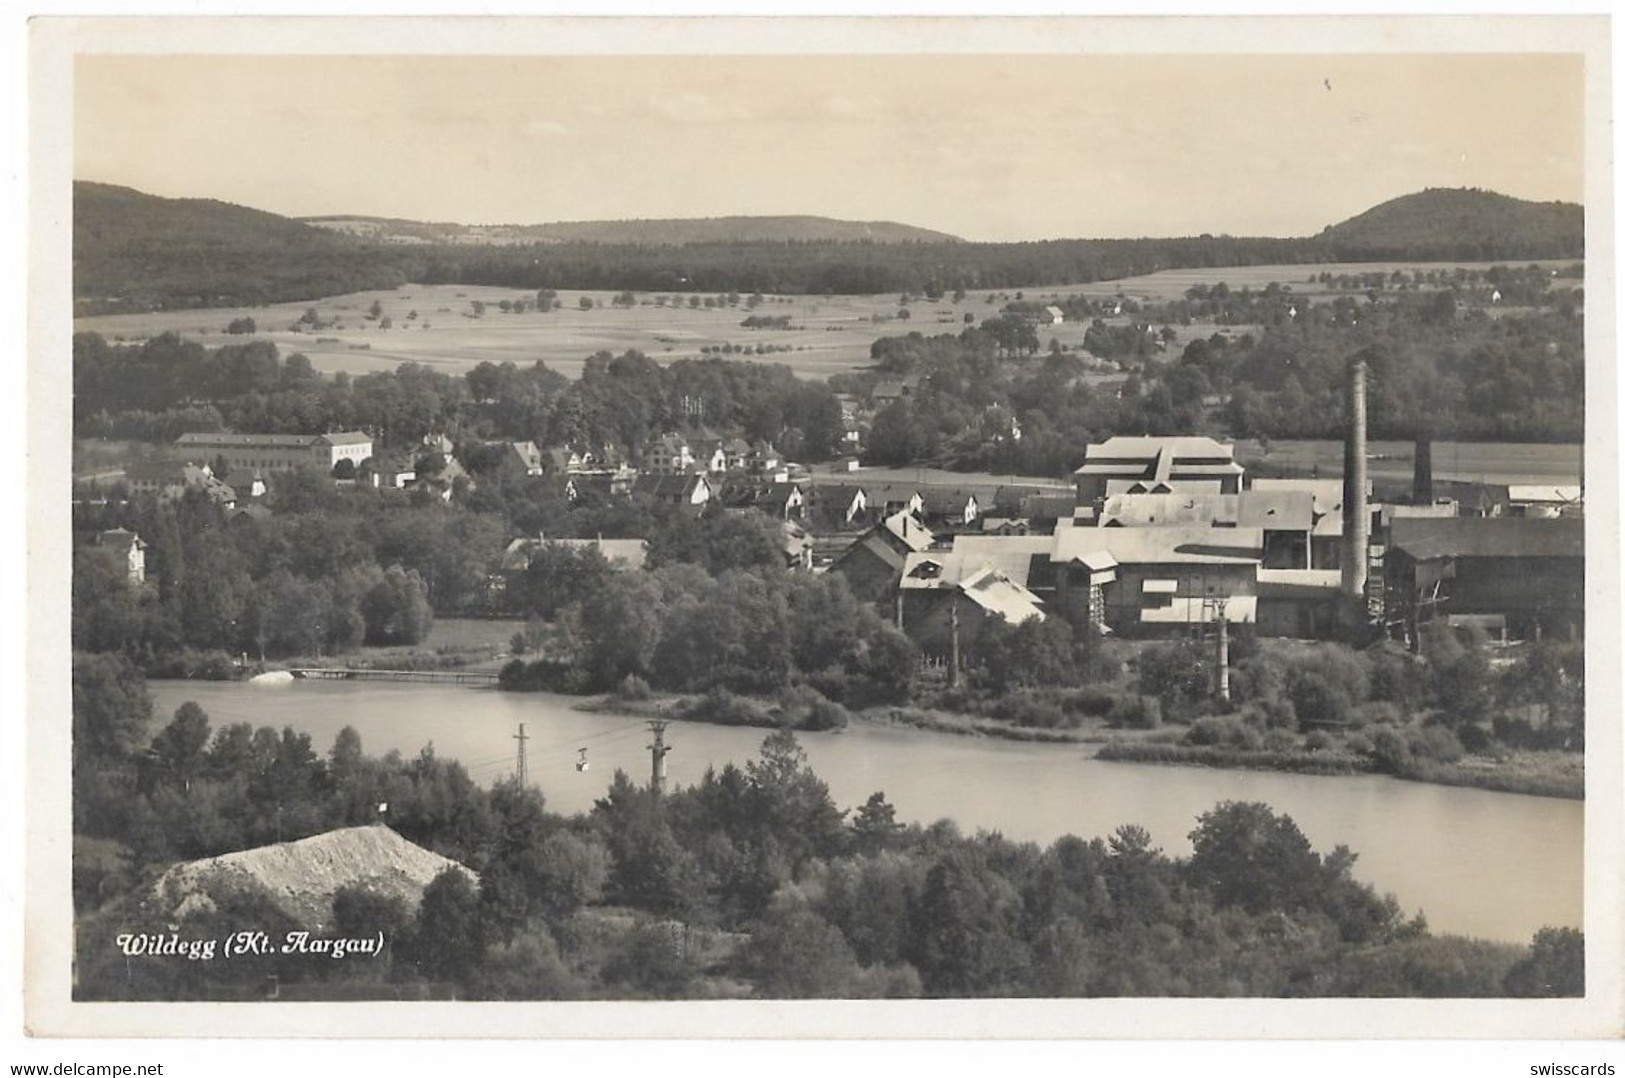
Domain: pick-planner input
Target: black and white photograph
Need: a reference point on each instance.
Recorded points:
(1106, 519)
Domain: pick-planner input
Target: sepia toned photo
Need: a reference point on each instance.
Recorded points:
(713, 511)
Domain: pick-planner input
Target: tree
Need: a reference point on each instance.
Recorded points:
(111, 709)
(448, 938)
(793, 953)
(585, 303)
(1248, 856)
(874, 825)
(178, 750)
(1555, 965)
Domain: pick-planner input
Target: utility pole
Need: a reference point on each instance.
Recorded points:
(953, 633)
(1223, 670)
(524, 763)
(657, 757)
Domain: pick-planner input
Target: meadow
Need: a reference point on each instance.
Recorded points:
(827, 334)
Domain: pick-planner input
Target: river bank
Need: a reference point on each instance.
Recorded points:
(1534, 773)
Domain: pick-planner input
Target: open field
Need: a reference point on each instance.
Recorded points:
(829, 334)
(1473, 462)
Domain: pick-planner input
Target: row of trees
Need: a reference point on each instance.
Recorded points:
(167, 386)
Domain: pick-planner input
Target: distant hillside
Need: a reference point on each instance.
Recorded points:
(660, 231)
(134, 251)
(1460, 223)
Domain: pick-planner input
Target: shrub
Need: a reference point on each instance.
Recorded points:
(723, 707)
(632, 687)
(1135, 712)
(1319, 741)
(1280, 741)
(1359, 744)
(1436, 743)
(1318, 700)
(1025, 709)
(1378, 713)
(1096, 703)
(1228, 731)
(1390, 750)
(1274, 713)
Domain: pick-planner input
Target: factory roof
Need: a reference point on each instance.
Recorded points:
(1489, 537)
(1160, 546)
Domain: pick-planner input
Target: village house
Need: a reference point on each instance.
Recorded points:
(127, 549)
(736, 453)
(950, 507)
(247, 483)
(1054, 315)
(886, 499)
(522, 459)
(764, 460)
(838, 504)
(629, 554)
(873, 564)
(945, 602)
(690, 491)
(891, 391)
(168, 480)
(391, 472)
(668, 454)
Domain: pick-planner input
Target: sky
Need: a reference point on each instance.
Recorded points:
(984, 147)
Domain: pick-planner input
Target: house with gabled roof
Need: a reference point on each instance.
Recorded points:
(128, 549)
(873, 563)
(669, 454)
(838, 504)
(946, 594)
(690, 491)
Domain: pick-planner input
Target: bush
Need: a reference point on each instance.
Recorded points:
(633, 687)
(1135, 712)
(1378, 713)
(1096, 703)
(1436, 743)
(1024, 709)
(1318, 700)
(1229, 731)
(1390, 750)
(1274, 713)
(723, 707)
(1319, 741)
(1281, 741)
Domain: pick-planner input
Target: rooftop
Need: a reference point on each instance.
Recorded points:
(1162, 546)
(1489, 537)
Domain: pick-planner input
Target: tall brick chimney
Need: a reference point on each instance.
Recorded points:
(1356, 514)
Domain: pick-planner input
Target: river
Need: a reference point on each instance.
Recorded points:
(1493, 865)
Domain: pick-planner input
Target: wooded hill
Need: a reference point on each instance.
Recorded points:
(1468, 224)
(659, 231)
(134, 251)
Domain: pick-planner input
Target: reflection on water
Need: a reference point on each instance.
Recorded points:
(1478, 863)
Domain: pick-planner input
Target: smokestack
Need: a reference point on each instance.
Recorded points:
(1356, 516)
(1422, 477)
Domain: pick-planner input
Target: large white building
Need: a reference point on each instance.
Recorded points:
(276, 452)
